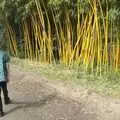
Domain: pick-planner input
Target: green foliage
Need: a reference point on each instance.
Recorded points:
(16, 10)
(22, 8)
(113, 6)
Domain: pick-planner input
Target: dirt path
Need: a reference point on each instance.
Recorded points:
(34, 98)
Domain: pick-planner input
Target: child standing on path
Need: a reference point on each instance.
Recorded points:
(4, 59)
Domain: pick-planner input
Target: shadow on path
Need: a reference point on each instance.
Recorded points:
(25, 104)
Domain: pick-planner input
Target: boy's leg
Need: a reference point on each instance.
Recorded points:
(5, 93)
(1, 106)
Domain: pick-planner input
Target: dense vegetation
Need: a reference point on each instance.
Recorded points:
(71, 32)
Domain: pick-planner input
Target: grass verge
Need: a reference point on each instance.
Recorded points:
(106, 85)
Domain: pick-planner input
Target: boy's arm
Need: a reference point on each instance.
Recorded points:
(7, 60)
(7, 72)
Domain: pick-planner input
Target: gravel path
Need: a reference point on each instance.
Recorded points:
(34, 98)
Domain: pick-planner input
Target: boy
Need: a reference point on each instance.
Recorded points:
(4, 59)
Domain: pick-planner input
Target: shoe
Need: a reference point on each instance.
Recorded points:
(1, 114)
(7, 101)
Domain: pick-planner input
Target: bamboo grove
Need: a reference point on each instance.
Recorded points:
(49, 42)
